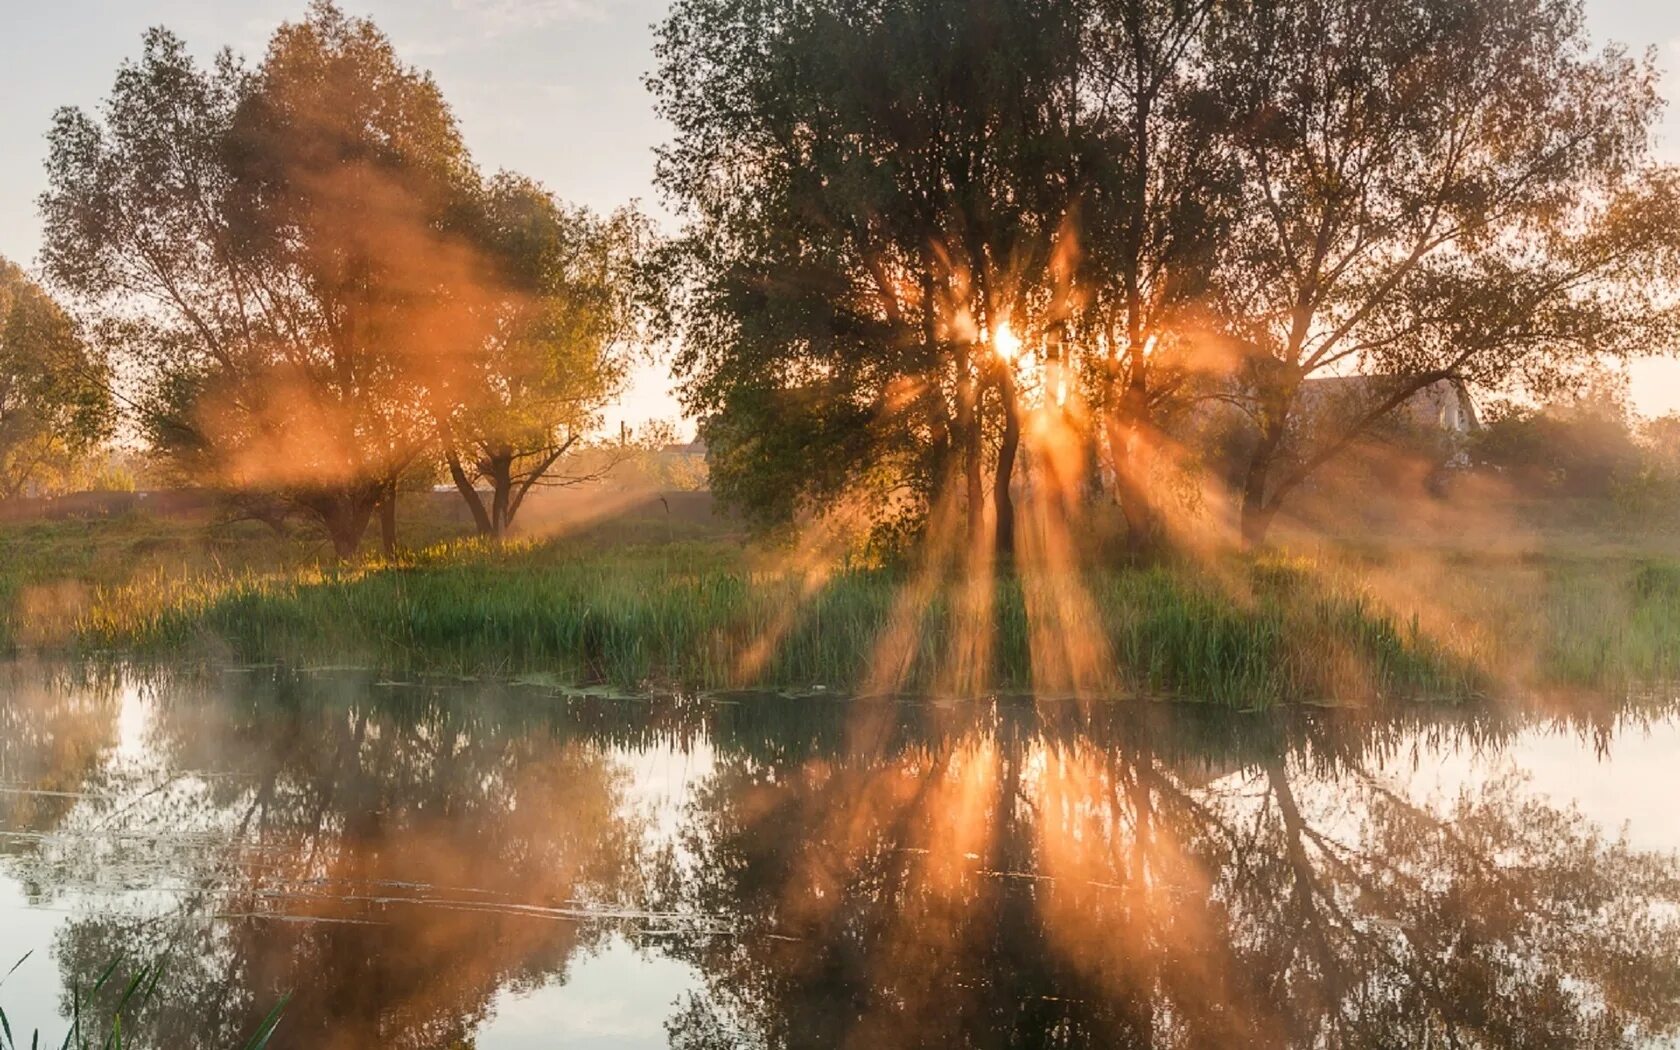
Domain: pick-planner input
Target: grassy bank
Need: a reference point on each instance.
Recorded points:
(702, 614)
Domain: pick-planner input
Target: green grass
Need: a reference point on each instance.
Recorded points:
(1245, 632)
(108, 1001)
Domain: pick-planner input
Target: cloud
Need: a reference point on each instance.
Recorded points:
(501, 16)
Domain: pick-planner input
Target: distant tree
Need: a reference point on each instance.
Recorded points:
(1580, 446)
(660, 460)
(1452, 188)
(1661, 437)
(55, 393)
(266, 246)
(552, 346)
(1655, 493)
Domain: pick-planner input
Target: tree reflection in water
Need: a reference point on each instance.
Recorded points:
(1064, 877)
(57, 727)
(872, 874)
(393, 864)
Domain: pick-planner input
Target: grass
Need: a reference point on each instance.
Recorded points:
(1244, 632)
(109, 1002)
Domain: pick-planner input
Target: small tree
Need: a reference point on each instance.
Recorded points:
(560, 316)
(1582, 446)
(55, 394)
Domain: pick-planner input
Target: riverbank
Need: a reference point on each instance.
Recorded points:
(706, 613)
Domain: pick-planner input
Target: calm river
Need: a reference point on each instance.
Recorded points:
(441, 864)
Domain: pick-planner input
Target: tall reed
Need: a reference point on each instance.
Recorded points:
(1245, 633)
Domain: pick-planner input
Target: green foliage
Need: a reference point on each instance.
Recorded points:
(264, 247)
(1587, 448)
(311, 280)
(55, 398)
(1501, 225)
(1257, 194)
(1653, 492)
(1580, 448)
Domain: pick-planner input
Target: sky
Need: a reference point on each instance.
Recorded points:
(549, 88)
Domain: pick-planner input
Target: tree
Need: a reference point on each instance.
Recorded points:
(268, 248)
(1155, 206)
(1433, 190)
(55, 393)
(858, 234)
(551, 347)
(1181, 201)
(1584, 447)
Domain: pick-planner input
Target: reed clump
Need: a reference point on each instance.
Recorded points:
(1248, 632)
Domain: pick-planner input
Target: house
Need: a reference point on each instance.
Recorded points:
(1442, 413)
(695, 449)
(1445, 404)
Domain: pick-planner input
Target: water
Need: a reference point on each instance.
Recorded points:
(455, 865)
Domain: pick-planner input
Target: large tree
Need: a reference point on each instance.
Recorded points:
(1447, 189)
(553, 342)
(268, 247)
(55, 393)
(1181, 200)
(859, 231)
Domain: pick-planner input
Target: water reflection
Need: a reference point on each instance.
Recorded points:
(409, 859)
(55, 731)
(393, 865)
(1126, 881)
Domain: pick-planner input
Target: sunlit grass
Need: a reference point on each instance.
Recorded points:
(1239, 631)
(683, 616)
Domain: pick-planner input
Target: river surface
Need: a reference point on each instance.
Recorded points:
(445, 864)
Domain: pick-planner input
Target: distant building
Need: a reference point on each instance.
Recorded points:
(1445, 404)
(697, 447)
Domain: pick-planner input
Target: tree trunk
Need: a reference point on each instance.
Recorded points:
(968, 426)
(344, 543)
(1256, 522)
(1134, 459)
(1257, 510)
(1133, 467)
(464, 485)
(1003, 499)
(345, 523)
(500, 472)
(1125, 426)
(388, 522)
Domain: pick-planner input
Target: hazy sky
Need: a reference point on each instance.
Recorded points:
(550, 88)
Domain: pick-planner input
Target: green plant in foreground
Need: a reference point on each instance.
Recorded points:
(84, 1033)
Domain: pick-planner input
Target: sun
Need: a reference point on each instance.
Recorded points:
(1005, 343)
